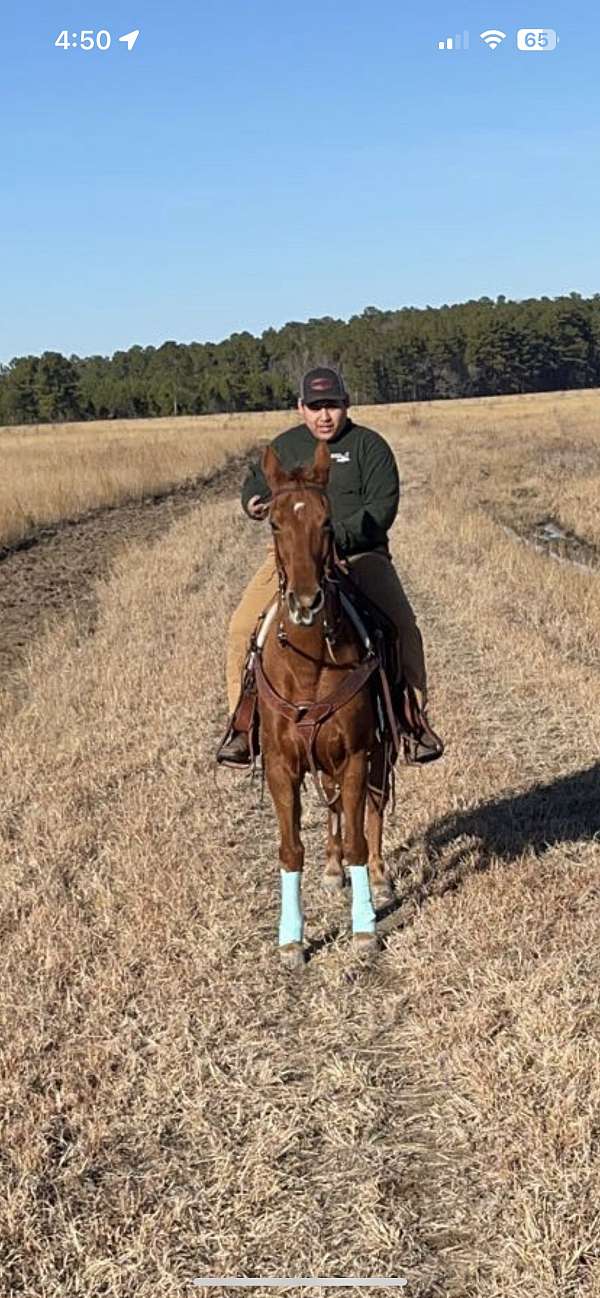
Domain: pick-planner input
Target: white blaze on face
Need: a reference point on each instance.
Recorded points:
(300, 504)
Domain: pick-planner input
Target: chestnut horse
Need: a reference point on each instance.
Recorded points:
(316, 708)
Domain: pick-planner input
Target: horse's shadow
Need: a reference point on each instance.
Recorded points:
(463, 843)
(565, 810)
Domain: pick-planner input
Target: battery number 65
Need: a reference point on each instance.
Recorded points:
(536, 38)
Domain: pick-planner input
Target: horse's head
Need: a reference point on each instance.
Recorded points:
(302, 531)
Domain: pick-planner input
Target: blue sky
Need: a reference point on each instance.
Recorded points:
(254, 162)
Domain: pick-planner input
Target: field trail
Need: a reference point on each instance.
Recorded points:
(55, 570)
(176, 1104)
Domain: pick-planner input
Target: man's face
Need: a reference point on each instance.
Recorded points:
(324, 418)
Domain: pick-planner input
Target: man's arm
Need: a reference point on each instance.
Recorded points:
(254, 485)
(381, 495)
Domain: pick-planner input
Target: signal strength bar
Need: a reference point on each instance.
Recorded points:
(455, 42)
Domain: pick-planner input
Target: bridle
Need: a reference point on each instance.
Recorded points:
(328, 592)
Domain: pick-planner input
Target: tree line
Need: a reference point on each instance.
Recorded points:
(475, 348)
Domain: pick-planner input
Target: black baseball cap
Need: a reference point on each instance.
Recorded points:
(322, 384)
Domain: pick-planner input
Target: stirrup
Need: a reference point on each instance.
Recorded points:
(243, 724)
(234, 750)
(420, 743)
(422, 746)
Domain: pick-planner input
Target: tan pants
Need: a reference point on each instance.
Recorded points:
(374, 574)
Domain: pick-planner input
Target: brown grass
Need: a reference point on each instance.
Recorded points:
(172, 1104)
(525, 459)
(51, 472)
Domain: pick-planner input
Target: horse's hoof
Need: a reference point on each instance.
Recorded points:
(333, 882)
(365, 944)
(382, 894)
(292, 955)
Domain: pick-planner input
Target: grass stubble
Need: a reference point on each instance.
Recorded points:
(173, 1105)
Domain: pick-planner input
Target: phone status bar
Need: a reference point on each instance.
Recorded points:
(528, 40)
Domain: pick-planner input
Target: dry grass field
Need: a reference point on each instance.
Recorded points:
(173, 1105)
(57, 471)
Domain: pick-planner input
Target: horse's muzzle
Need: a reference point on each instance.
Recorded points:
(304, 613)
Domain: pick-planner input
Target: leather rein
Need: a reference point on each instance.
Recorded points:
(308, 717)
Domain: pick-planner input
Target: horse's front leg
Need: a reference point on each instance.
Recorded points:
(381, 890)
(333, 878)
(354, 793)
(285, 791)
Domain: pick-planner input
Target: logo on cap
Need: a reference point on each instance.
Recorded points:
(322, 383)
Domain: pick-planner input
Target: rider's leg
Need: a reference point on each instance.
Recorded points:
(235, 750)
(374, 573)
(258, 593)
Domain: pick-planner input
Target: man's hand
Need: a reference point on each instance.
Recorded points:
(257, 508)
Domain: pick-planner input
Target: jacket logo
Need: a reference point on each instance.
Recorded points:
(342, 457)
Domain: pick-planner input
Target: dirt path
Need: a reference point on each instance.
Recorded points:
(55, 571)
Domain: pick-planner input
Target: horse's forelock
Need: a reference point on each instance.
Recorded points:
(297, 477)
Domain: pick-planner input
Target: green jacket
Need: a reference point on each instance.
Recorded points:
(363, 490)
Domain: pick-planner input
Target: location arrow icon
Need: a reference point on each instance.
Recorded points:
(130, 39)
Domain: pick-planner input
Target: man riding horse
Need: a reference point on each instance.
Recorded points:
(364, 492)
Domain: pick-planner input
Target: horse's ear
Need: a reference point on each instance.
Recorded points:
(319, 472)
(271, 466)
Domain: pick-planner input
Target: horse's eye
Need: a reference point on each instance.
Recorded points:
(328, 525)
(275, 527)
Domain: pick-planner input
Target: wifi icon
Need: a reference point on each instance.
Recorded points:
(493, 38)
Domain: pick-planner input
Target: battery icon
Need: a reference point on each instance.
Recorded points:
(536, 38)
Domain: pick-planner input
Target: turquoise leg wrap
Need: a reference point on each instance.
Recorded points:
(291, 921)
(363, 915)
